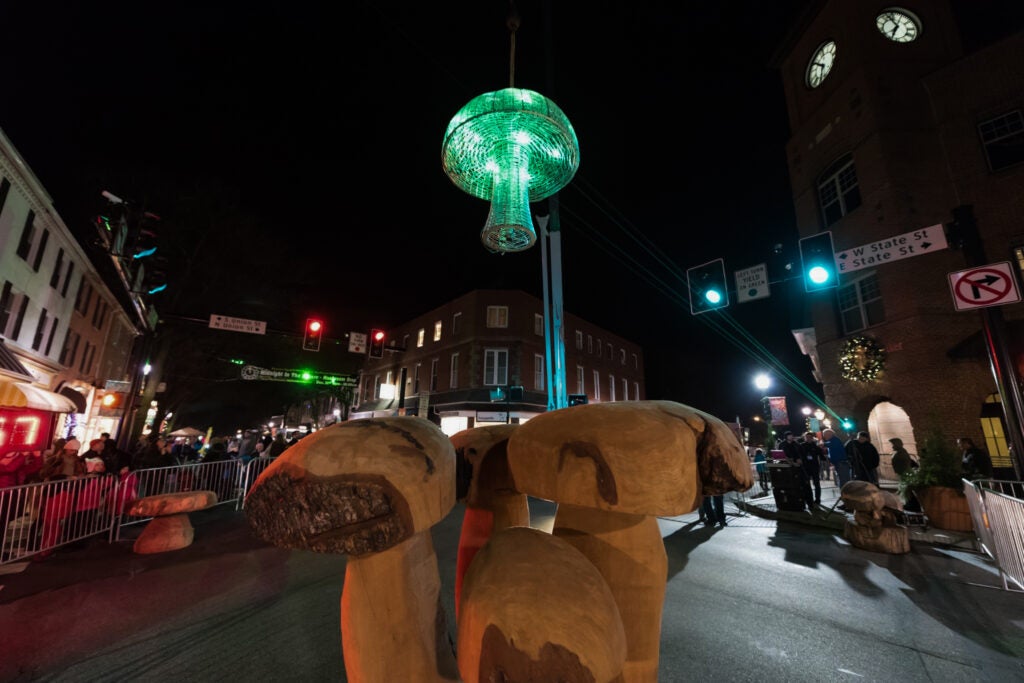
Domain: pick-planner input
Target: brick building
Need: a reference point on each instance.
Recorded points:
(894, 122)
(456, 358)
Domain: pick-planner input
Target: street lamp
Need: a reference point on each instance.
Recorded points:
(762, 381)
(806, 410)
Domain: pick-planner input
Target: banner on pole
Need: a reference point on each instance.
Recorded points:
(777, 405)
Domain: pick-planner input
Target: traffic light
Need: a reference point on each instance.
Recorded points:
(708, 290)
(314, 331)
(376, 343)
(818, 262)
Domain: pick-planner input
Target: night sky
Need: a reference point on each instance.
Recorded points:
(293, 152)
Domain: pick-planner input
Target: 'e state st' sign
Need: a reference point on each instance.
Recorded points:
(922, 241)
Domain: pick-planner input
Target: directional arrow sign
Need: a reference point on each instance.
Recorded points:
(991, 285)
(923, 241)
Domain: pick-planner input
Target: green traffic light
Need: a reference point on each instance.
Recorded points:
(713, 296)
(819, 275)
(847, 424)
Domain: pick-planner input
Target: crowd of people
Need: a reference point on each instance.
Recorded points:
(67, 511)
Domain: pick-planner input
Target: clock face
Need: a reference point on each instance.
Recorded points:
(898, 25)
(821, 63)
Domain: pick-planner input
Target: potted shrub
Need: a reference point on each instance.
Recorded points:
(937, 483)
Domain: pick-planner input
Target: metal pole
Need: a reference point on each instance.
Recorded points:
(401, 393)
(965, 234)
(542, 222)
(557, 329)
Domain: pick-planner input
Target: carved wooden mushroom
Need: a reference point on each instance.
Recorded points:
(874, 525)
(535, 609)
(485, 484)
(611, 467)
(371, 489)
(170, 528)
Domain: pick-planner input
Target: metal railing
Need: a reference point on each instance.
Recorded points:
(36, 518)
(997, 510)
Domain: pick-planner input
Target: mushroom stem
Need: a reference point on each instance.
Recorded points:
(393, 627)
(628, 552)
(480, 523)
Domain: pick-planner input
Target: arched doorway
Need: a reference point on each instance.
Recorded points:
(886, 421)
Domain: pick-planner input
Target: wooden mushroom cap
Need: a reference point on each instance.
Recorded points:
(638, 457)
(535, 609)
(483, 462)
(172, 503)
(356, 487)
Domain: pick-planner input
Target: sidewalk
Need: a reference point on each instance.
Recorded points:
(762, 504)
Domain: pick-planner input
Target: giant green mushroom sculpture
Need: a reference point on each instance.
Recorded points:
(511, 147)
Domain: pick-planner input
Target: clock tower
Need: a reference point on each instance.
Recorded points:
(888, 115)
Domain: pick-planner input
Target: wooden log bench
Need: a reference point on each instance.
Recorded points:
(170, 528)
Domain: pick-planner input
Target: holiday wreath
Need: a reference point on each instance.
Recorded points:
(861, 359)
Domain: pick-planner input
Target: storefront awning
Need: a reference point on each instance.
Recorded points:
(24, 395)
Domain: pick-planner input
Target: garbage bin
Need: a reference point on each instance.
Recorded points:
(787, 486)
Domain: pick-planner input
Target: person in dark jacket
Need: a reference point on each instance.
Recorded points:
(864, 456)
(901, 460)
(975, 461)
(810, 452)
(278, 445)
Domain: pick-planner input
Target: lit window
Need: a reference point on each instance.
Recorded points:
(860, 304)
(419, 337)
(496, 367)
(453, 376)
(437, 331)
(538, 372)
(538, 324)
(497, 316)
(1003, 139)
(838, 190)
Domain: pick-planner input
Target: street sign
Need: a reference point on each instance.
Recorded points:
(752, 283)
(923, 241)
(223, 322)
(254, 373)
(357, 342)
(991, 285)
(491, 416)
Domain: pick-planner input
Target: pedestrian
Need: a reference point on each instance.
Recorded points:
(790, 448)
(837, 456)
(65, 461)
(901, 460)
(278, 445)
(152, 455)
(714, 510)
(810, 454)
(761, 465)
(864, 457)
(975, 462)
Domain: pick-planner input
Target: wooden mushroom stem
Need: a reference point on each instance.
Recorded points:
(393, 626)
(628, 552)
(502, 511)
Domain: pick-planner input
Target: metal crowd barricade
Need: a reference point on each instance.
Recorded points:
(997, 509)
(253, 469)
(36, 518)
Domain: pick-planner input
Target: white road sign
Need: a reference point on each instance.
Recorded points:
(223, 322)
(357, 342)
(991, 285)
(752, 283)
(922, 241)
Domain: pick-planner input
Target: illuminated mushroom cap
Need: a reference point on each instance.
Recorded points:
(511, 147)
(637, 457)
(356, 487)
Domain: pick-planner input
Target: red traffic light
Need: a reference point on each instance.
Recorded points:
(378, 335)
(314, 331)
(376, 343)
(314, 325)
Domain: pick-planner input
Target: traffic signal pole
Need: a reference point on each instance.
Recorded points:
(964, 233)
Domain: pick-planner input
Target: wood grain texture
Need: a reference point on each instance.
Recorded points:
(393, 626)
(163, 534)
(533, 608)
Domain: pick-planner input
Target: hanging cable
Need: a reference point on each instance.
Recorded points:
(513, 21)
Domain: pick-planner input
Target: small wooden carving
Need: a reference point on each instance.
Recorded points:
(371, 489)
(535, 609)
(485, 484)
(611, 467)
(170, 528)
(874, 525)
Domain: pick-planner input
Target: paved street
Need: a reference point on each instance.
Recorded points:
(756, 601)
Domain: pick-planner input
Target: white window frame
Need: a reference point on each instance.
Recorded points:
(437, 330)
(435, 363)
(625, 389)
(538, 372)
(636, 362)
(453, 374)
(579, 340)
(636, 391)
(420, 336)
(859, 295)
(998, 129)
(837, 187)
(622, 356)
(590, 343)
(497, 316)
(494, 374)
(456, 319)
(538, 324)
(597, 385)
(580, 388)
(611, 387)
